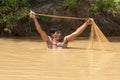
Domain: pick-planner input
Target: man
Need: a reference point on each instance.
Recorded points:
(56, 40)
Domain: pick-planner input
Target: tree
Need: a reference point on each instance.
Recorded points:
(104, 6)
(12, 11)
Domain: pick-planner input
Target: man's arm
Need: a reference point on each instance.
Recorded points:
(38, 27)
(79, 30)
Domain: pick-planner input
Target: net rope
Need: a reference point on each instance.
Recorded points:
(65, 17)
(97, 40)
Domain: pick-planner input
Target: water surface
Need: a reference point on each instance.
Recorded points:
(29, 59)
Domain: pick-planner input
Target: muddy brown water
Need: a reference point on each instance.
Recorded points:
(26, 59)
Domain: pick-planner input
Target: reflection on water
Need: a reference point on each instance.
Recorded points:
(31, 60)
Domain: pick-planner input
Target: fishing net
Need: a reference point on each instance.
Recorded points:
(97, 40)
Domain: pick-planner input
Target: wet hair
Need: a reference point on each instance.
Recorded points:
(54, 29)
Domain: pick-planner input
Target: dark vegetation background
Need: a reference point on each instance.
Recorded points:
(15, 21)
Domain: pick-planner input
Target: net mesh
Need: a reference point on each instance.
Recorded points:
(97, 40)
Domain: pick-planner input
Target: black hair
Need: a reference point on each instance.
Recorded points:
(54, 29)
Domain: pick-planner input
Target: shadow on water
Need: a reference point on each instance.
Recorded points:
(75, 48)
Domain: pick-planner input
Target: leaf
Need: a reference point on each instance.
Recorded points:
(12, 11)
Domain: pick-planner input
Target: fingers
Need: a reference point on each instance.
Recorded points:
(32, 13)
(89, 21)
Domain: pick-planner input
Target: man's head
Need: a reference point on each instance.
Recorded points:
(56, 33)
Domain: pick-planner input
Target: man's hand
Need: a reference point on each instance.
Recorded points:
(89, 21)
(32, 15)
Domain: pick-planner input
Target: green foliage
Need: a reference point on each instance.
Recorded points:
(106, 5)
(11, 11)
(58, 8)
(71, 4)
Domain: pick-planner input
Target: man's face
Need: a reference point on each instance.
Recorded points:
(57, 35)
